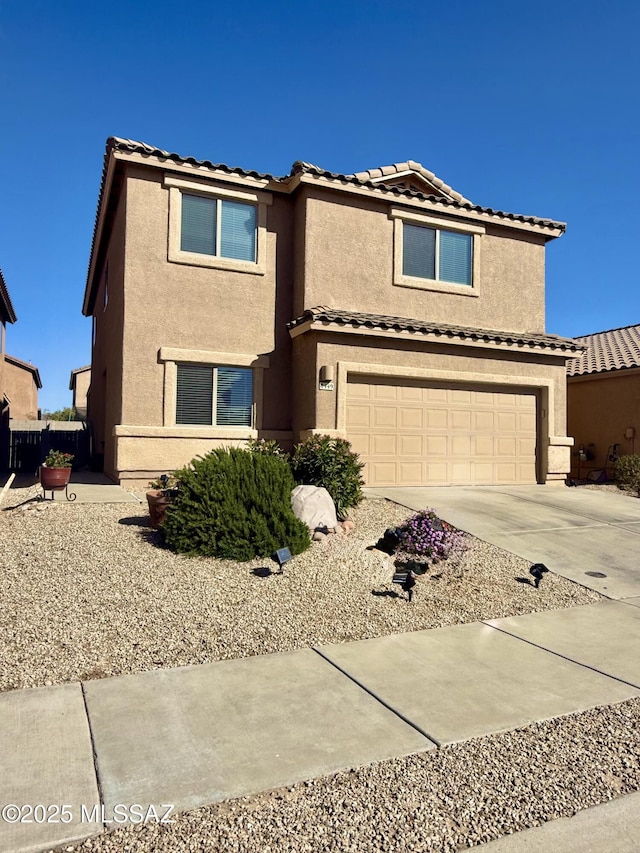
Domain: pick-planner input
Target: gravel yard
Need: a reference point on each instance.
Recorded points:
(88, 593)
(452, 798)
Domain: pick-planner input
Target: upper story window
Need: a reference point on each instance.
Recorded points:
(437, 255)
(218, 227)
(433, 253)
(224, 227)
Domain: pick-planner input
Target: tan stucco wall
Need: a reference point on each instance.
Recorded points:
(188, 307)
(600, 409)
(105, 395)
(349, 265)
(321, 410)
(20, 387)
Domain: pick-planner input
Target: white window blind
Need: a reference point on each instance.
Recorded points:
(214, 396)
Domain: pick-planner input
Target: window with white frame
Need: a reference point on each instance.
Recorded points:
(222, 228)
(210, 395)
(437, 255)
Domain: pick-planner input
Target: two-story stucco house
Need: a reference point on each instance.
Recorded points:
(381, 306)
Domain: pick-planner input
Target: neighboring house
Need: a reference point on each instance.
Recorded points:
(209, 286)
(7, 315)
(19, 380)
(79, 384)
(603, 399)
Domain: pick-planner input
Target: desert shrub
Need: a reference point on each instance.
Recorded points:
(266, 447)
(426, 536)
(627, 472)
(235, 504)
(330, 462)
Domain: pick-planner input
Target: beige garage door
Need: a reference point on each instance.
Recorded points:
(411, 433)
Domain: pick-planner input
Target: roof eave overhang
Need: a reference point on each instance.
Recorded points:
(550, 229)
(443, 338)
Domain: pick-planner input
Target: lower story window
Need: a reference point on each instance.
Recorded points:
(214, 396)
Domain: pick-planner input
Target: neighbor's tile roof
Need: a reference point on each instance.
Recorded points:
(617, 349)
(7, 313)
(444, 330)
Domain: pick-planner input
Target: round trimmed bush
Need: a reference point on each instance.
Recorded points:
(235, 504)
(627, 472)
(330, 462)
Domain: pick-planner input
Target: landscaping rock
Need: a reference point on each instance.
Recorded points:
(318, 536)
(314, 506)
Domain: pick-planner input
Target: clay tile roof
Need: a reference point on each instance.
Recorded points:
(25, 365)
(7, 314)
(419, 169)
(444, 330)
(617, 349)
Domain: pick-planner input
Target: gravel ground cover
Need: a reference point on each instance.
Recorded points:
(455, 797)
(88, 593)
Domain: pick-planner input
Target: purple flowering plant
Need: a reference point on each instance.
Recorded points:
(425, 535)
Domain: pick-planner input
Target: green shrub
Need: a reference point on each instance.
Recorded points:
(330, 462)
(235, 504)
(627, 472)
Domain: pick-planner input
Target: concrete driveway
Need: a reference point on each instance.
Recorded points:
(589, 536)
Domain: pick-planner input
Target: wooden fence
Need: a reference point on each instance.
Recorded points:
(23, 451)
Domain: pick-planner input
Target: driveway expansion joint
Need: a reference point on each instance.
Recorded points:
(564, 657)
(378, 698)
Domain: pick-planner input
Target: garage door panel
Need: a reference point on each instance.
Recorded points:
(414, 434)
(461, 445)
(437, 418)
(437, 445)
(435, 395)
(437, 473)
(460, 397)
(484, 445)
(384, 416)
(385, 392)
(460, 419)
(483, 422)
(361, 444)
(411, 473)
(507, 472)
(382, 473)
(483, 473)
(460, 472)
(358, 416)
(411, 445)
(411, 418)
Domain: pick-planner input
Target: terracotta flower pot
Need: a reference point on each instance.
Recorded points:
(158, 502)
(54, 479)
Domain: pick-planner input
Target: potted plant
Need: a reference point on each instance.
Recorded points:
(55, 471)
(161, 492)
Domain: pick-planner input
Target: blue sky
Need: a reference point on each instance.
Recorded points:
(527, 108)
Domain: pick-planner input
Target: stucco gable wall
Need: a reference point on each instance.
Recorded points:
(349, 245)
(20, 387)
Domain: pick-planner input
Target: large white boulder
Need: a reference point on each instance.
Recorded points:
(314, 505)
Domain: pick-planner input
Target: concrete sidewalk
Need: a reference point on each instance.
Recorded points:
(87, 486)
(201, 734)
(574, 532)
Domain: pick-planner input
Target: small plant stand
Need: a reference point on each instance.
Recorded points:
(56, 480)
